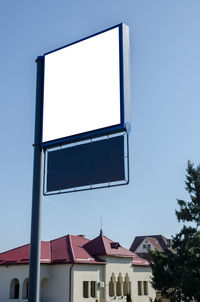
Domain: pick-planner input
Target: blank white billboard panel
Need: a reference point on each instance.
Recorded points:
(82, 87)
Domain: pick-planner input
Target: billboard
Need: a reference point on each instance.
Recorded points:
(84, 90)
(102, 162)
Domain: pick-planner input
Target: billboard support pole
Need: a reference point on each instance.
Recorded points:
(34, 269)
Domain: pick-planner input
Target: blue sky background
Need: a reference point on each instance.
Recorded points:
(165, 94)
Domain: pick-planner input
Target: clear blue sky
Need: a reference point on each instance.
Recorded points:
(165, 94)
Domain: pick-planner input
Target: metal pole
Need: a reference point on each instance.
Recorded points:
(34, 269)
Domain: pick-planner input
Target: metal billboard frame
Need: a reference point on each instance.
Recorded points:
(125, 124)
(91, 186)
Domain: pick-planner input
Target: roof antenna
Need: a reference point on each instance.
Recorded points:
(101, 231)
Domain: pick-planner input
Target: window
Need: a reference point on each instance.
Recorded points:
(89, 289)
(14, 289)
(119, 285)
(126, 285)
(145, 287)
(142, 288)
(129, 287)
(112, 284)
(148, 246)
(93, 289)
(139, 288)
(44, 290)
(125, 288)
(25, 289)
(85, 289)
(144, 246)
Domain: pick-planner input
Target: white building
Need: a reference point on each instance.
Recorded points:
(76, 269)
(141, 244)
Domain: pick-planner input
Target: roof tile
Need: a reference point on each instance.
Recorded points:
(71, 249)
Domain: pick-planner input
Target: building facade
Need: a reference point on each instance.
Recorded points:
(76, 269)
(141, 244)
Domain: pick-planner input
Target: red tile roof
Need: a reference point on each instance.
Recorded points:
(20, 255)
(140, 260)
(103, 246)
(71, 249)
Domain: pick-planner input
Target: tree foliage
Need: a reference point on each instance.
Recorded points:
(176, 273)
(190, 211)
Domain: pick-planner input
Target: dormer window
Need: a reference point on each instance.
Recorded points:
(115, 245)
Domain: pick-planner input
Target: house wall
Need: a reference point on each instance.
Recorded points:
(141, 249)
(116, 265)
(103, 273)
(142, 274)
(55, 280)
(53, 287)
(20, 272)
(58, 283)
(84, 272)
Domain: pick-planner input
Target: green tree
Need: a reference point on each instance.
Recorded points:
(176, 273)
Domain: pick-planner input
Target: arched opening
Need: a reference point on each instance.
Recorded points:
(119, 285)
(129, 287)
(14, 289)
(25, 289)
(44, 295)
(112, 284)
(126, 285)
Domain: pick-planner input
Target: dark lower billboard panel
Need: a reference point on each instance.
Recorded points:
(97, 163)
